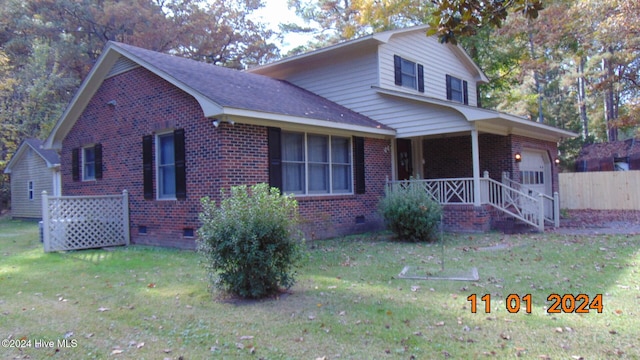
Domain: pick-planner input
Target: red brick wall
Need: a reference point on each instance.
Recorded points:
(215, 158)
(451, 157)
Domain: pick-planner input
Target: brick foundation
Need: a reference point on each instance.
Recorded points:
(467, 218)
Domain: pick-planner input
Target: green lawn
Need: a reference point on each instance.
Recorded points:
(148, 303)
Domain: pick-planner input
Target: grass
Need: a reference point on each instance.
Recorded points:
(149, 303)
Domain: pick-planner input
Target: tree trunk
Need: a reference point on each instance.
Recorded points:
(536, 78)
(609, 108)
(582, 99)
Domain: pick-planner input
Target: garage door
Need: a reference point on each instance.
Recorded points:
(535, 173)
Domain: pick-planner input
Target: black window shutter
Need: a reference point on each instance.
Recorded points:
(147, 166)
(181, 169)
(465, 92)
(275, 157)
(98, 161)
(478, 97)
(397, 67)
(420, 78)
(359, 164)
(75, 164)
(449, 87)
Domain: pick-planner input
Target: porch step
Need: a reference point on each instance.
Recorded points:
(511, 225)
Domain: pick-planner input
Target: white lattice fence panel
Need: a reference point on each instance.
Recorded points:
(79, 222)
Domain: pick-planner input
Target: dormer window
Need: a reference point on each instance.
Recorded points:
(457, 90)
(408, 74)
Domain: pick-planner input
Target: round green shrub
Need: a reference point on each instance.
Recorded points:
(411, 214)
(248, 241)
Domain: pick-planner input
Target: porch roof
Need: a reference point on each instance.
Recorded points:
(488, 121)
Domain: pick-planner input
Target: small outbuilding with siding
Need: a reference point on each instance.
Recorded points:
(32, 170)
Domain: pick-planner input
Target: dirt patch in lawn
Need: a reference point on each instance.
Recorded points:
(596, 222)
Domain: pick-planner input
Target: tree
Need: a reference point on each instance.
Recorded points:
(333, 21)
(453, 19)
(223, 34)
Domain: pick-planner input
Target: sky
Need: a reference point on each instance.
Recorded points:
(276, 12)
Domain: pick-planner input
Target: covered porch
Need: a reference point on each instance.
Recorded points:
(501, 169)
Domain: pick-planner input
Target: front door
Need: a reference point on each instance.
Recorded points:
(404, 159)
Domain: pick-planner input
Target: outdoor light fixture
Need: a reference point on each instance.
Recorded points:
(557, 161)
(518, 157)
(216, 122)
(112, 103)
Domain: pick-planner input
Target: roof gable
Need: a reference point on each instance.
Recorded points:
(51, 157)
(218, 90)
(357, 45)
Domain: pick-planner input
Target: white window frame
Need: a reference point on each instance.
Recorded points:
(455, 92)
(158, 166)
(30, 190)
(330, 164)
(85, 176)
(413, 76)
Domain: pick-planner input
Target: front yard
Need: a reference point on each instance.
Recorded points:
(150, 303)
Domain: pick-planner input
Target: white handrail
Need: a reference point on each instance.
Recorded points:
(507, 196)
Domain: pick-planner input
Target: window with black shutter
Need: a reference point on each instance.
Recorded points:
(147, 166)
(180, 165)
(408, 73)
(75, 164)
(457, 90)
(275, 157)
(98, 161)
(359, 164)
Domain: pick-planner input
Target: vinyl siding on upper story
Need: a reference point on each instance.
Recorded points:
(439, 60)
(353, 79)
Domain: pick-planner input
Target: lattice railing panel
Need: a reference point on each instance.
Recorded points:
(79, 222)
(444, 191)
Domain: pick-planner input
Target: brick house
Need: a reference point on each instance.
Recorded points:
(620, 155)
(331, 126)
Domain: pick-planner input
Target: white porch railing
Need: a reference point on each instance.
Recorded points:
(507, 197)
(444, 191)
(84, 222)
(551, 205)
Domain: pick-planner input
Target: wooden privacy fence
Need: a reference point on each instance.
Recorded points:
(602, 190)
(84, 222)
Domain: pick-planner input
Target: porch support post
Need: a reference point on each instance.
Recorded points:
(475, 155)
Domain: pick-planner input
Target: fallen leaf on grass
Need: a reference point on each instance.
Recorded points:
(440, 323)
(246, 337)
(505, 336)
(151, 285)
(103, 309)
(116, 352)
(577, 357)
(240, 346)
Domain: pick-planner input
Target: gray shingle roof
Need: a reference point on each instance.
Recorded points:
(50, 156)
(242, 90)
